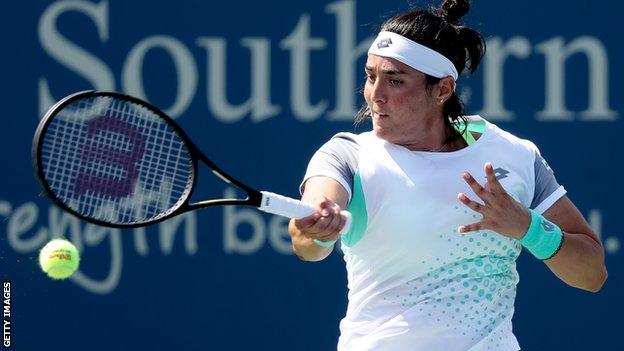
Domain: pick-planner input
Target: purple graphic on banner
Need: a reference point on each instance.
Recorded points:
(100, 162)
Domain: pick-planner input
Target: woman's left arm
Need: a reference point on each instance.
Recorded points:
(580, 261)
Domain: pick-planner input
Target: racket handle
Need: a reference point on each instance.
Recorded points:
(291, 208)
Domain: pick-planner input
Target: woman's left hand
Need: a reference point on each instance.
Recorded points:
(501, 213)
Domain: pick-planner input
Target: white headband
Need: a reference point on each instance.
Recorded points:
(417, 56)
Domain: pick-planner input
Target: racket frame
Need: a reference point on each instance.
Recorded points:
(254, 197)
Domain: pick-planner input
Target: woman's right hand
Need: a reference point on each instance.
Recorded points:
(328, 197)
(325, 224)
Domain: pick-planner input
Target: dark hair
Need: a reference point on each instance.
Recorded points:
(440, 29)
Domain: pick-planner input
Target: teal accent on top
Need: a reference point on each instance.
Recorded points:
(473, 127)
(468, 137)
(357, 207)
(477, 126)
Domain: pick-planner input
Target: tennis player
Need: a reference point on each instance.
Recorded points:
(442, 203)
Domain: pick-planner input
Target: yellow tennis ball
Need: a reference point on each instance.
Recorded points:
(59, 259)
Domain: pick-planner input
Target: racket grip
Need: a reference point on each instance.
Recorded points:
(291, 208)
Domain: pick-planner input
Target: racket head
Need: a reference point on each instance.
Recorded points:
(114, 160)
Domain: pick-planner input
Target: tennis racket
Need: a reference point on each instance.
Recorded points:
(118, 161)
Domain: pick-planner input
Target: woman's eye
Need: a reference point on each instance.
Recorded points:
(370, 78)
(395, 82)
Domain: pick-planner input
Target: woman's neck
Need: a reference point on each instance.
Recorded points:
(430, 136)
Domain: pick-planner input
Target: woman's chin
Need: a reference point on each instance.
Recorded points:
(379, 132)
(382, 133)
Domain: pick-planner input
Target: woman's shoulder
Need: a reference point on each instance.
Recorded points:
(352, 137)
(351, 140)
(503, 137)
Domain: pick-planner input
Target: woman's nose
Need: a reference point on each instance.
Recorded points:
(378, 93)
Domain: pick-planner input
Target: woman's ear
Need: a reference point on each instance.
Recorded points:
(446, 88)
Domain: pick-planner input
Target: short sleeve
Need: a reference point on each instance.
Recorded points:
(336, 159)
(547, 189)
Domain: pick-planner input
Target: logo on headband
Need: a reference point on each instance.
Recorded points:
(384, 43)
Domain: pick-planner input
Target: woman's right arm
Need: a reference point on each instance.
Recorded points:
(329, 198)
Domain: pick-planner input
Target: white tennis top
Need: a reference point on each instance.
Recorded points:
(414, 282)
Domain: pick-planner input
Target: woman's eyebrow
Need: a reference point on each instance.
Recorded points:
(389, 71)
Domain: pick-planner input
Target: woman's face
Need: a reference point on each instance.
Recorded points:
(400, 105)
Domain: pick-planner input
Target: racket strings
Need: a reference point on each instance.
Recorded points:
(116, 161)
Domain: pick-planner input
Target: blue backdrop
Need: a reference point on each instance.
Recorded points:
(259, 86)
